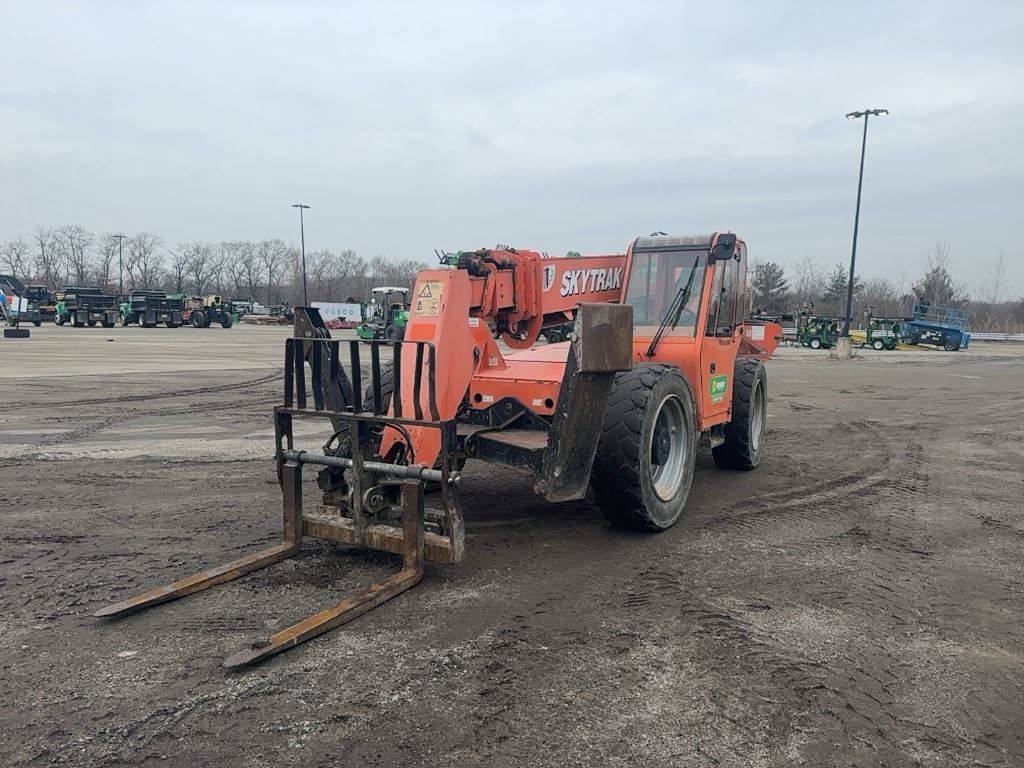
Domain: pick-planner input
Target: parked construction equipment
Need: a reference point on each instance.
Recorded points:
(944, 327)
(204, 311)
(15, 308)
(41, 297)
(660, 355)
(147, 309)
(387, 314)
(816, 332)
(878, 333)
(85, 305)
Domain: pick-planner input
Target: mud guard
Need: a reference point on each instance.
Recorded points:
(601, 346)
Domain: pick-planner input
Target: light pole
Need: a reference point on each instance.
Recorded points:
(120, 266)
(856, 217)
(302, 234)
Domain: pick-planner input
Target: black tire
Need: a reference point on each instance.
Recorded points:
(92, 323)
(172, 324)
(814, 344)
(744, 434)
(58, 320)
(394, 333)
(108, 324)
(632, 437)
(387, 387)
(37, 323)
(226, 322)
(878, 345)
(950, 346)
(198, 319)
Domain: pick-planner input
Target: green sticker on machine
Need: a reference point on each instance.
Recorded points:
(716, 388)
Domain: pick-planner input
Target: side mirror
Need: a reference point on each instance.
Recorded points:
(725, 248)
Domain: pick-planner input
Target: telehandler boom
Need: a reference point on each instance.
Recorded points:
(659, 356)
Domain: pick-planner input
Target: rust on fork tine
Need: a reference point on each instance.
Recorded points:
(291, 485)
(361, 602)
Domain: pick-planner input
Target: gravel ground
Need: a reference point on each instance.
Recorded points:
(855, 601)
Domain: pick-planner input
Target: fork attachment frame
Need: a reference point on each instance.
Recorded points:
(334, 397)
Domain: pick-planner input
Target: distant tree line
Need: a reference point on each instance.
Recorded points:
(776, 290)
(269, 271)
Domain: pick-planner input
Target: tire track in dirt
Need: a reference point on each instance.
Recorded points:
(862, 701)
(188, 393)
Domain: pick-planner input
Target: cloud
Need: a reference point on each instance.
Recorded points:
(552, 125)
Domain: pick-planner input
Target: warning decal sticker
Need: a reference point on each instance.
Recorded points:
(428, 299)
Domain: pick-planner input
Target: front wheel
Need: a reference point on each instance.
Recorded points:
(815, 344)
(226, 322)
(744, 434)
(878, 344)
(394, 333)
(645, 457)
(37, 323)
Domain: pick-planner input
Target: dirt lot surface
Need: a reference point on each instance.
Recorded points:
(856, 601)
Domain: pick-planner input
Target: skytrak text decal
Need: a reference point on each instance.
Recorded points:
(588, 280)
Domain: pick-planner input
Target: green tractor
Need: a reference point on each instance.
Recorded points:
(387, 317)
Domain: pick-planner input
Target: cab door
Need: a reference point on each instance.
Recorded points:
(721, 339)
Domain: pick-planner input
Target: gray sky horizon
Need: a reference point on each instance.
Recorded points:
(554, 126)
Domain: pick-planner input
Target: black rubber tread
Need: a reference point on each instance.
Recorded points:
(387, 386)
(618, 475)
(737, 452)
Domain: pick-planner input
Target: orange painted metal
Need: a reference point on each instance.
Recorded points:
(525, 291)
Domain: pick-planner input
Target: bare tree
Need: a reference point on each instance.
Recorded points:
(48, 265)
(145, 262)
(106, 257)
(178, 268)
(15, 255)
(276, 258)
(810, 283)
(200, 265)
(989, 313)
(75, 245)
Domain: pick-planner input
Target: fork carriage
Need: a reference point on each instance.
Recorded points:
(317, 386)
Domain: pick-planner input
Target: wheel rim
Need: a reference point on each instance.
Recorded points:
(757, 414)
(668, 448)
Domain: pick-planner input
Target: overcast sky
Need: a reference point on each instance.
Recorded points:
(550, 126)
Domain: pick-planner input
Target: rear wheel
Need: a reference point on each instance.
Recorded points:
(744, 434)
(643, 469)
(226, 321)
(394, 333)
(878, 344)
(951, 346)
(37, 323)
(815, 344)
(198, 319)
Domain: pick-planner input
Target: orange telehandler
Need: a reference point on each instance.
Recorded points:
(659, 356)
